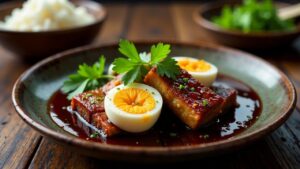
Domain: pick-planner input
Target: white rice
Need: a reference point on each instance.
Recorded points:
(44, 15)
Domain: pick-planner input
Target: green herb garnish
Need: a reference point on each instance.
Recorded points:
(253, 16)
(181, 87)
(94, 135)
(86, 78)
(204, 102)
(185, 79)
(136, 65)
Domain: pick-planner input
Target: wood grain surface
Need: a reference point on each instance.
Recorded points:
(22, 147)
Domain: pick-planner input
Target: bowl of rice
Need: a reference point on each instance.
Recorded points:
(36, 29)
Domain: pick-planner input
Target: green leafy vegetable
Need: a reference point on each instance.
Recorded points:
(167, 68)
(128, 49)
(181, 87)
(135, 74)
(159, 52)
(253, 16)
(94, 135)
(136, 66)
(86, 78)
(126, 65)
(204, 102)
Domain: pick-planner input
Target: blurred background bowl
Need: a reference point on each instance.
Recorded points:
(238, 39)
(33, 46)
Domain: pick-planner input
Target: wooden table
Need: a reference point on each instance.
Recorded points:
(22, 147)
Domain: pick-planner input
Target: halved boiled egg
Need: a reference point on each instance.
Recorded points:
(201, 70)
(133, 108)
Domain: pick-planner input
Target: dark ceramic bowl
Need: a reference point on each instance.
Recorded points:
(238, 39)
(33, 46)
(34, 88)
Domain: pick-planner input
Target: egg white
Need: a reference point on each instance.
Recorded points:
(206, 78)
(129, 122)
(111, 71)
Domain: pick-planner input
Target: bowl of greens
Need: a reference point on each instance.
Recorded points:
(251, 24)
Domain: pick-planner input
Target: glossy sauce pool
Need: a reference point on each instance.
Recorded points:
(169, 131)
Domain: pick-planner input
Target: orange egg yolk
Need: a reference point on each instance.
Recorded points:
(194, 65)
(134, 100)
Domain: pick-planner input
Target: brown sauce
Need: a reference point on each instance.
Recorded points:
(169, 131)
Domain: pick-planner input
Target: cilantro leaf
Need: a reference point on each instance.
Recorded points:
(205, 102)
(76, 77)
(133, 75)
(78, 90)
(169, 68)
(86, 78)
(126, 65)
(70, 86)
(159, 52)
(136, 66)
(100, 66)
(128, 49)
(94, 135)
(86, 71)
(72, 83)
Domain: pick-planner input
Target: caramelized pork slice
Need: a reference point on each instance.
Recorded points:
(100, 120)
(229, 95)
(111, 84)
(192, 102)
(90, 105)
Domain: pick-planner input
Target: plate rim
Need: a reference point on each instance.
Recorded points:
(154, 151)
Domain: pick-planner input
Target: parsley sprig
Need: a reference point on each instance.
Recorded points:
(86, 78)
(134, 68)
(136, 65)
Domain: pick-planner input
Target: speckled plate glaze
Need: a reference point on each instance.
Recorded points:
(34, 88)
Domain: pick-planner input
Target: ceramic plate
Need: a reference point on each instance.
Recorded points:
(35, 87)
